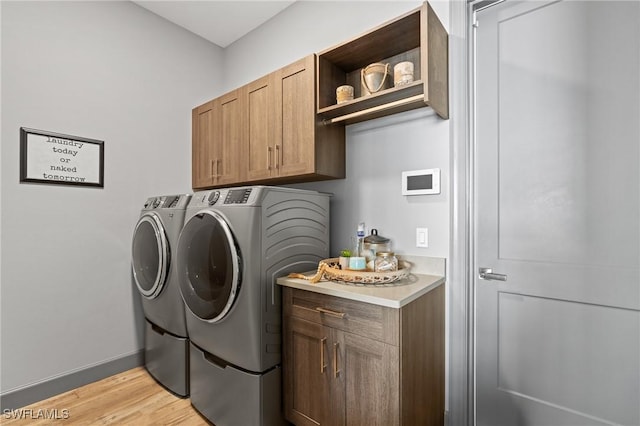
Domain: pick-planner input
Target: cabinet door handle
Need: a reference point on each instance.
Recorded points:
(323, 366)
(215, 162)
(336, 372)
(331, 313)
(269, 158)
(277, 157)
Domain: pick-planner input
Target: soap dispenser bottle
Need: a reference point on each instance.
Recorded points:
(360, 239)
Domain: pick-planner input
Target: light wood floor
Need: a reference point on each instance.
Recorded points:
(129, 398)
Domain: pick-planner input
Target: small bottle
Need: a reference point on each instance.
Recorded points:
(386, 261)
(360, 239)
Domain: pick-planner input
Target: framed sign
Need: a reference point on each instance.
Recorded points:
(54, 158)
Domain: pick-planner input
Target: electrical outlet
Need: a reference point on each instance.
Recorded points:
(422, 237)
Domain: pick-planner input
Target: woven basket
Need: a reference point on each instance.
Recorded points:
(329, 270)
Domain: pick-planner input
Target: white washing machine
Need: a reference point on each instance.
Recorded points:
(234, 244)
(155, 240)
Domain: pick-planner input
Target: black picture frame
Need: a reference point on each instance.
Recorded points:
(59, 159)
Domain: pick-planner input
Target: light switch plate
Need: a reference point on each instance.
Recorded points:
(422, 237)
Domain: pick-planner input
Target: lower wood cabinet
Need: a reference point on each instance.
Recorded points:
(307, 381)
(353, 363)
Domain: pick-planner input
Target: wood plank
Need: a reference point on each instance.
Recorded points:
(422, 360)
(261, 120)
(364, 319)
(368, 372)
(295, 145)
(395, 36)
(203, 120)
(230, 166)
(129, 398)
(436, 71)
(307, 377)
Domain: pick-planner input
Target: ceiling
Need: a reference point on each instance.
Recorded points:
(220, 22)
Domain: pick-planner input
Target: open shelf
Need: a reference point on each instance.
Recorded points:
(418, 37)
(385, 102)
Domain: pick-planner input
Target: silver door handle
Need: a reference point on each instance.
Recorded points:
(488, 274)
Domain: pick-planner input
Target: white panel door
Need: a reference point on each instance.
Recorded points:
(558, 213)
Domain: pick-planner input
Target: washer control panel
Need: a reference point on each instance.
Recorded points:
(167, 202)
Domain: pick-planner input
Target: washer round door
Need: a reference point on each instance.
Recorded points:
(150, 255)
(209, 266)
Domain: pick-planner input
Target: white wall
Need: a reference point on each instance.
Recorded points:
(115, 72)
(110, 71)
(377, 150)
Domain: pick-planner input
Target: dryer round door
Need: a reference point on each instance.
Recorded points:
(209, 266)
(150, 255)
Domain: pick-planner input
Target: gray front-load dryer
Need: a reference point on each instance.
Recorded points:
(155, 240)
(234, 244)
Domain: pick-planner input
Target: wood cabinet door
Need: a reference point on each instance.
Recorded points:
(307, 393)
(295, 146)
(261, 110)
(367, 372)
(204, 122)
(229, 166)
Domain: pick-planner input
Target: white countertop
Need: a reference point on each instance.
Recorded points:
(394, 295)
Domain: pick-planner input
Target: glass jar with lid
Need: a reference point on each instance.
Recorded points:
(374, 243)
(386, 261)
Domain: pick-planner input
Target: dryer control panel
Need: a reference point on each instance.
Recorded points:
(238, 196)
(213, 197)
(225, 196)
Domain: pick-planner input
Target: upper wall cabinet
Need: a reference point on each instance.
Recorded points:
(417, 37)
(204, 120)
(286, 141)
(287, 127)
(267, 132)
(218, 132)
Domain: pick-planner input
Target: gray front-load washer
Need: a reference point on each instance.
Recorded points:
(234, 244)
(155, 240)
